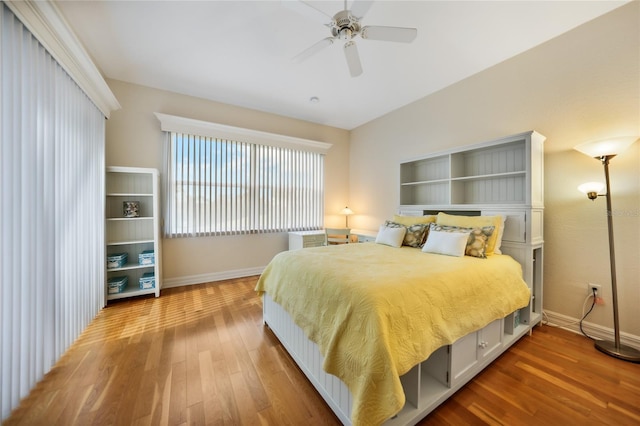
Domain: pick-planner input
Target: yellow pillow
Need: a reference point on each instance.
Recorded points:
(413, 220)
(474, 222)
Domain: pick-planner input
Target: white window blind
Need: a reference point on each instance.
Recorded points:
(51, 211)
(219, 186)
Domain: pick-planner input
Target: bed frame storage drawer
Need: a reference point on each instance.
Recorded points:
(453, 364)
(464, 356)
(472, 349)
(490, 338)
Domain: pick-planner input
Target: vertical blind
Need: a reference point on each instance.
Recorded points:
(51, 211)
(218, 186)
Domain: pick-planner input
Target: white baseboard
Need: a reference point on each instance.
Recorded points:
(214, 276)
(594, 330)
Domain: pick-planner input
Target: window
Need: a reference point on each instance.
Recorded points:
(51, 196)
(218, 186)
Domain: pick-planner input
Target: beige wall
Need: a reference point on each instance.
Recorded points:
(581, 86)
(134, 139)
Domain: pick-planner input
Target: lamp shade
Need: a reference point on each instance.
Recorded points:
(606, 147)
(591, 187)
(346, 211)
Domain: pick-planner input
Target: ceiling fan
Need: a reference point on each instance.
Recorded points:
(345, 26)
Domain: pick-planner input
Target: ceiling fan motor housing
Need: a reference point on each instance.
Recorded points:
(344, 25)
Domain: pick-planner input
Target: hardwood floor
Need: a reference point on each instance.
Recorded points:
(201, 355)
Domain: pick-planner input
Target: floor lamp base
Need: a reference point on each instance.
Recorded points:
(622, 351)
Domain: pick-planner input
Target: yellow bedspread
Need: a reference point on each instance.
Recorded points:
(376, 311)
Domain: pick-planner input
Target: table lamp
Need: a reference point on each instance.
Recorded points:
(346, 212)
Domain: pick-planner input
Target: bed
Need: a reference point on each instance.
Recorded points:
(387, 333)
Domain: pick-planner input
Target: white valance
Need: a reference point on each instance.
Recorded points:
(172, 123)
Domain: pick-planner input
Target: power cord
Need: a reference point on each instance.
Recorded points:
(593, 304)
(583, 315)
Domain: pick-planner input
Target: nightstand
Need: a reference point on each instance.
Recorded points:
(305, 239)
(364, 235)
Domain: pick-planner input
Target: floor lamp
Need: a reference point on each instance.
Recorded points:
(604, 151)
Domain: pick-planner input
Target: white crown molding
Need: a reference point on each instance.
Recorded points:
(45, 21)
(172, 123)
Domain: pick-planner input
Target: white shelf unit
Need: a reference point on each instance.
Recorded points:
(503, 176)
(498, 172)
(133, 235)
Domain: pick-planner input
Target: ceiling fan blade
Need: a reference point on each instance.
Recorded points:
(359, 8)
(305, 9)
(353, 58)
(398, 34)
(313, 49)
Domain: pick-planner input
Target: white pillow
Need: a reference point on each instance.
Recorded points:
(449, 243)
(391, 236)
(496, 249)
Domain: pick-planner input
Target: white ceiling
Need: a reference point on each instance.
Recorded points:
(239, 52)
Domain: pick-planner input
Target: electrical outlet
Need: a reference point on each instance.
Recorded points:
(591, 286)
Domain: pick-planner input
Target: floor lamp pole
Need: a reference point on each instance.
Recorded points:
(614, 348)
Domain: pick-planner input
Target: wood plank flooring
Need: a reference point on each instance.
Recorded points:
(200, 355)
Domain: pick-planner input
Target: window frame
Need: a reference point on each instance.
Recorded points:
(256, 142)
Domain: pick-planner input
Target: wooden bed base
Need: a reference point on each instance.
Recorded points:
(426, 385)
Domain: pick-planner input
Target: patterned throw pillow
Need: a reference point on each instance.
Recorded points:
(476, 222)
(478, 237)
(416, 234)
